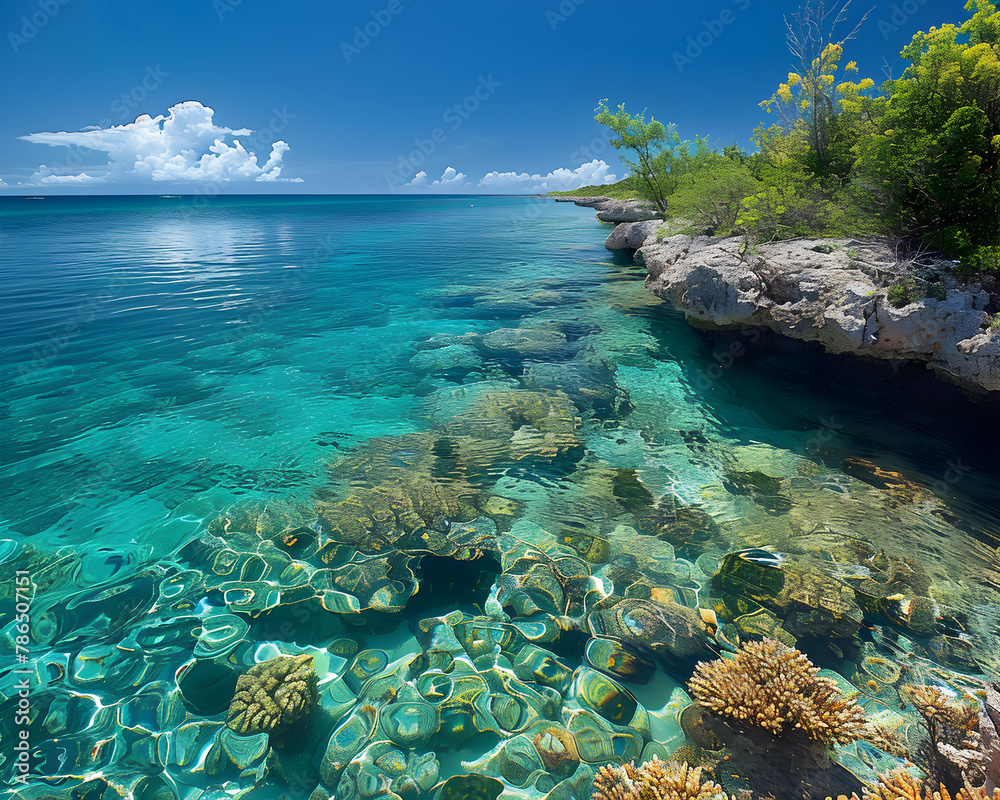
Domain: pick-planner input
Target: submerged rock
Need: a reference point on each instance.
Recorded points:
(891, 482)
(273, 695)
(527, 341)
(466, 787)
(455, 356)
(689, 529)
(804, 600)
(207, 685)
(666, 629)
(989, 731)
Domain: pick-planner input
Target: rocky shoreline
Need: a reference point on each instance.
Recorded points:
(851, 296)
(616, 211)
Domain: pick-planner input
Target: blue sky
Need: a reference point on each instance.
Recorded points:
(366, 95)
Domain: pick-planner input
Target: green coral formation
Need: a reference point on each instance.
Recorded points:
(273, 695)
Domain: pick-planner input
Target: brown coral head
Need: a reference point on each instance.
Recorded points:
(558, 750)
(928, 700)
(952, 727)
(273, 695)
(901, 785)
(655, 780)
(775, 687)
(933, 704)
(614, 783)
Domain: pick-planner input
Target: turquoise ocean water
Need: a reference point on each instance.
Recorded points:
(174, 372)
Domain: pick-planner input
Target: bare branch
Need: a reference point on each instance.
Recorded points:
(809, 31)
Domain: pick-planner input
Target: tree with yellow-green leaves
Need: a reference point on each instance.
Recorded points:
(933, 160)
(808, 102)
(805, 160)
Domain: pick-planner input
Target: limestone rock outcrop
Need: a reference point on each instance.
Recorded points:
(617, 211)
(840, 299)
(632, 236)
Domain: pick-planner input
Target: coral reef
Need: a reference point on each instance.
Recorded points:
(952, 731)
(775, 687)
(900, 785)
(522, 423)
(886, 739)
(273, 694)
(399, 484)
(989, 733)
(654, 780)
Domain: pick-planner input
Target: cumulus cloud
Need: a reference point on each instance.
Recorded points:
(2, 184)
(184, 145)
(593, 173)
(450, 179)
(419, 181)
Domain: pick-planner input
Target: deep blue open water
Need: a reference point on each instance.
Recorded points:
(172, 371)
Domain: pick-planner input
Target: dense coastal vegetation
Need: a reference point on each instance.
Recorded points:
(916, 158)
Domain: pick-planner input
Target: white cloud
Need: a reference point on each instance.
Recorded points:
(47, 177)
(2, 184)
(593, 173)
(419, 181)
(184, 145)
(450, 179)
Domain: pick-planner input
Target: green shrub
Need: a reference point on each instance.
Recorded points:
(903, 293)
(625, 189)
(931, 164)
(979, 259)
(712, 195)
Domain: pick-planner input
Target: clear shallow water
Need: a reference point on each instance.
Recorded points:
(165, 364)
(163, 359)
